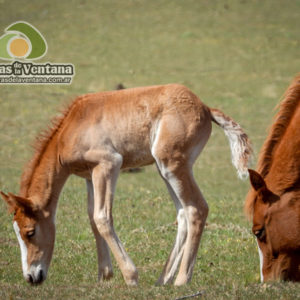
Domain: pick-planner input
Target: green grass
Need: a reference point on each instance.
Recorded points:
(238, 56)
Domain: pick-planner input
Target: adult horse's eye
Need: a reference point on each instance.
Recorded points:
(30, 233)
(260, 234)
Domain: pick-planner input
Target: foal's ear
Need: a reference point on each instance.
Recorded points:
(15, 201)
(256, 180)
(9, 201)
(22, 202)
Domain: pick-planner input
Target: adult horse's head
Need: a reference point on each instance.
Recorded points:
(276, 225)
(35, 231)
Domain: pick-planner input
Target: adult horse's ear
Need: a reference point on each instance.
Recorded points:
(256, 180)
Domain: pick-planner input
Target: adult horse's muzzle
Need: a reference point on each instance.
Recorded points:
(288, 267)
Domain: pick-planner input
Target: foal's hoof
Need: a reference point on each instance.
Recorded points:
(162, 281)
(181, 281)
(132, 282)
(106, 274)
(159, 283)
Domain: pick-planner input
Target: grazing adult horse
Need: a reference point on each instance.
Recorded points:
(98, 135)
(274, 199)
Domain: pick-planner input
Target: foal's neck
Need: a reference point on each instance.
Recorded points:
(47, 180)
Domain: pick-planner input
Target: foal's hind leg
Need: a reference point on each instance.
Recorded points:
(195, 209)
(105, 270)
(175, 256)
(177, 144)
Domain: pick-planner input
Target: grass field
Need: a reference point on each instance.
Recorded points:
(238, 56)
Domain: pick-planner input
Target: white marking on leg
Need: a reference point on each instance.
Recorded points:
(177, 251)
(23, 249)
(154, 137)
(261, 262)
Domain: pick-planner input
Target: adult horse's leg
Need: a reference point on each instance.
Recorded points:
(104, 177)
(175, 256)
(105, 269)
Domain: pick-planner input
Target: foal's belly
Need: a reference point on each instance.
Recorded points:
(133, 155)
(134, 145)
(137, 159)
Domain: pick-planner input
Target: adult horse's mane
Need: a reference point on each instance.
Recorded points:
(40, 145)
(287, 107)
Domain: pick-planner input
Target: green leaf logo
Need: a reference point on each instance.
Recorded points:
(22, 41)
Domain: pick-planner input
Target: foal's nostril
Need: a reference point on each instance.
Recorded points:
(30, 278)
(40, 277)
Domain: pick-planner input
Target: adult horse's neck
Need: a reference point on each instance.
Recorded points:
(43, 183)
(284, 171)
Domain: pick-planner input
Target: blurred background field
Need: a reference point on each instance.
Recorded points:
(238, 56)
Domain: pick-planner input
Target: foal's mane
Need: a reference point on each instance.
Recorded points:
(40, 145)
(287, 107)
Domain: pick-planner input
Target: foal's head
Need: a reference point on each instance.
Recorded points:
(276, 225)
(35, 230)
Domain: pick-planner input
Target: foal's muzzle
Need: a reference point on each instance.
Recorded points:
(35, 279)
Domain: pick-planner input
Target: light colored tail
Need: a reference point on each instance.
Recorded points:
(241, 150)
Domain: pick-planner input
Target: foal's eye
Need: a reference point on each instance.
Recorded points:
(30, 233)
(260, 234)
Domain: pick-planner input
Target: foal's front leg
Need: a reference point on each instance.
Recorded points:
(104, 178)
(105, 269)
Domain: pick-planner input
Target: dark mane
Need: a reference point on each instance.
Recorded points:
(287, 107)
(40, 145)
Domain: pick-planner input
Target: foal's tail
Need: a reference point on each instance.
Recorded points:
(241, 150)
